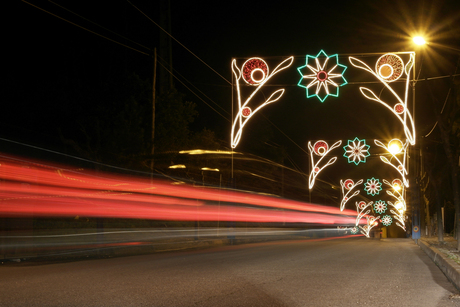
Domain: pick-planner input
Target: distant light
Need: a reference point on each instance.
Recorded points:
(209, 169)
(419, 40)
(202, 152)
(177, 166)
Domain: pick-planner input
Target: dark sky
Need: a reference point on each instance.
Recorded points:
(42, 49)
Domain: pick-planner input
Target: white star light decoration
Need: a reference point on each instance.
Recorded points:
(356, 151)
(324, 78)
(372, 186)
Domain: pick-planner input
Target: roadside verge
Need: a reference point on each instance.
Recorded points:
(449, 267)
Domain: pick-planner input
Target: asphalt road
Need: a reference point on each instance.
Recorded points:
(342, 272)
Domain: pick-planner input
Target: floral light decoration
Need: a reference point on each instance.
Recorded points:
(397, 191)
(348, 186)
(396, 147)
(362, 209)
(356, 151)
(399, 205)
(320, 148)
(324, 77)
(372, 221)
(372, 186)
(389, 68)
(380, 206)
(387, 220)
(354, 230)
(254, 72)
(398, 213)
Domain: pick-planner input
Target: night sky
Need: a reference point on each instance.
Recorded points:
(44, 50)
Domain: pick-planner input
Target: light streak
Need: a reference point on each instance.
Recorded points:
(248, 71)
(320, 148)
(45, 191)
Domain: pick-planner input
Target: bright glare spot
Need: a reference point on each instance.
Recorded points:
(397, 187)
(399, 206)
(394, 148)
(419, 40)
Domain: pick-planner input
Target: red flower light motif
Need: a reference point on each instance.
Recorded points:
(320, 148)
(255, 70)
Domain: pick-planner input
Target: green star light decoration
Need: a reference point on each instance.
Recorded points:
(317, 78)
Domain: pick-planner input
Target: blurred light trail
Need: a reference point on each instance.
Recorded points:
(163, 239)
(35, 189)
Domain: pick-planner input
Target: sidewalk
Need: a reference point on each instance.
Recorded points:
(445, 255)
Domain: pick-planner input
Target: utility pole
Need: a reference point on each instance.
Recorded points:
(153, 104)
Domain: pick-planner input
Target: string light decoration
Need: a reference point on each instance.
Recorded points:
(362, 209)
(321, 149)
(324, 78)
(380, 207)
(387, 220)
(398, 213)
(397, 191)
(354, 230)
(372, 186)
(400, 204)
(372, 221)
(254, 72)
(389, 68)
(396, 147)
(348, 186)
(356, 151)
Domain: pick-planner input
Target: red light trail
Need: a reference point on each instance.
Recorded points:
(34, 189)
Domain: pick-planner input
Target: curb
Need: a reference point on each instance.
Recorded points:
(449, 267)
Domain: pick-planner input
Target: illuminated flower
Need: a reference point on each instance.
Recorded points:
(326, 73)
(380, 206)
(355, 230)
(373, 186)
(356, 151)
(387, 220)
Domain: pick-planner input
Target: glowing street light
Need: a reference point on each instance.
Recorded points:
(419, 40)
(395, 146)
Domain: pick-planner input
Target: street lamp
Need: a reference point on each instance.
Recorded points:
(419, 40)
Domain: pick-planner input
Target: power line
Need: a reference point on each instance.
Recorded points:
(193, 92)
(178, 42)
(68, 10)
(124, 45)
(81, 27)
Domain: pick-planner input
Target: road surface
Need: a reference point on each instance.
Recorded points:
(341, 272)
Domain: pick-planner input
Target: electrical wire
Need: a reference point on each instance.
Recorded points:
(81, 27)
(164, 67)
(86, 19)
(179, 74)
(124, 45)
(178, 42)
